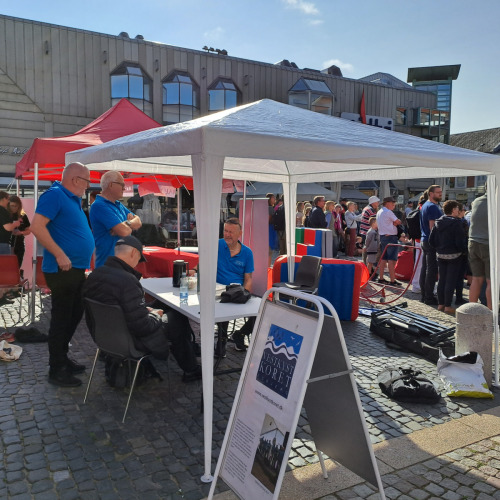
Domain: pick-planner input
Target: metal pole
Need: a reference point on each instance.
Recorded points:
(244, 211)
(179, 220)
(34, 258)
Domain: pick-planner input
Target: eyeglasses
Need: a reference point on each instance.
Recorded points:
(83, 179)
(122, 184)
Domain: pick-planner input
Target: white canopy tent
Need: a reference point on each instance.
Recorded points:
(274, 142)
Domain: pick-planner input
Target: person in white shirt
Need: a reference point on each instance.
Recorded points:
(387, 227)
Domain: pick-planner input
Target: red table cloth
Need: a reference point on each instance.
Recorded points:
(160, 262)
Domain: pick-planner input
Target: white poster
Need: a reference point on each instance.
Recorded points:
(269, 403)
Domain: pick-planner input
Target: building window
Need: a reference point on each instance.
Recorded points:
(401, 116)
(131, 82)
(181, 97)
(223, 94)
(314, 95)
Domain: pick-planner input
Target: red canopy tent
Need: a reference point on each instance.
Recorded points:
(122, 119)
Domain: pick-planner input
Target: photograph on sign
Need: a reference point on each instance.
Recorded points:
(256, 451)
(270, 452)
(277, 365)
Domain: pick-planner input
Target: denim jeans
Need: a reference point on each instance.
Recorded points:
(66, 313)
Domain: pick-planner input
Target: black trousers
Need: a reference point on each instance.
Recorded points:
(246, 329)
(448, 271)
(428, 275)
(66, 313)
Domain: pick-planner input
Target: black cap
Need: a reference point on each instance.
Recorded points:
(389, 199)
(132, 241)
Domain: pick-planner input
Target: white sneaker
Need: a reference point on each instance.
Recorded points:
(415, 289)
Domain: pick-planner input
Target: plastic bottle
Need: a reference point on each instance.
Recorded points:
(184, 289)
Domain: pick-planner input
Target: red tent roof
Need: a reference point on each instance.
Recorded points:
(122, 119)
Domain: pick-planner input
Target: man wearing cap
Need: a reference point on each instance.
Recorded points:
(109, 218)
(387, 227)
(61, 226)
(117, 283)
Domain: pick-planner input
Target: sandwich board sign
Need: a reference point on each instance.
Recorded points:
(282, 357)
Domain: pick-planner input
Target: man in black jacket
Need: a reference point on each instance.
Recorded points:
(117, 283)
(317, 218)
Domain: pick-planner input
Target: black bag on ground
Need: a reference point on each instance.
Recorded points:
(406, 384)
(119, 373)
(411, 338)
(235, 293)
(30, 335)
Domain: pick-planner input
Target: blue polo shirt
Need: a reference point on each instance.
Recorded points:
(68, 227)
(233, 269)
(430, 211)
(104, 215)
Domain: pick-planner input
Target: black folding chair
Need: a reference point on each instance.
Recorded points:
(307, 276)
(110, 332)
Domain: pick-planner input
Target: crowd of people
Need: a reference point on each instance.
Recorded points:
(454, 245)
(453, 242)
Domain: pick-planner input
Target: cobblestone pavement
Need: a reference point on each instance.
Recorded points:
(54, 446)
(471, 473)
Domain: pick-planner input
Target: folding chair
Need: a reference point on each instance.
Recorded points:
(110, 332)
(10, 277)
(307, 276)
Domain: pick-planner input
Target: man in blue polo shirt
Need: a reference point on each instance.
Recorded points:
(234, 265)
(109, 218)
(61, 227)
(429, 213)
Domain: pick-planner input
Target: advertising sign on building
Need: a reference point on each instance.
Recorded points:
(374, 121)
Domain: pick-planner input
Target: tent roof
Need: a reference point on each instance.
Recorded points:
(122, 119)
(271, 141)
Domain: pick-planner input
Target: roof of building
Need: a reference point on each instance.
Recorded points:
(485, 141)
(385, 79)
(433, 73)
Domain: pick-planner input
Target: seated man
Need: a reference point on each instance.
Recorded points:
(234, 265)
(117, 283)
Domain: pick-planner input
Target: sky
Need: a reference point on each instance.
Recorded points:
(360, 36)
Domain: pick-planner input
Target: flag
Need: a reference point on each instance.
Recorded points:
(362, 109)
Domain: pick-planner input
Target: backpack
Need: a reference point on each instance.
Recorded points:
(413, 224)
(279, 219)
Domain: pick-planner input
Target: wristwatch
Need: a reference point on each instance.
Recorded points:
(128, 223)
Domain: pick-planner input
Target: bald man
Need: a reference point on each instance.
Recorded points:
(109, 218)
(61, 226)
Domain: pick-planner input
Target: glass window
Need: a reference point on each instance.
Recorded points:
(131, 82)
(311, 94)
(180, 98)
(223, 94)
(401, 116)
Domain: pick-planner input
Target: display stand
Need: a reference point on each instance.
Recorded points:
(296, 355)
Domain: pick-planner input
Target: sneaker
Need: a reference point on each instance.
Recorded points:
(382, 280)
(395, 283)
(4, 301)
(192, 376)
(74, 367)
(460, 301)
(415, 289)
(240, 347)
(63, 378)
(220, 349)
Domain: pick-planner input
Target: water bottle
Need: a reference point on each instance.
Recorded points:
(184, 289)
